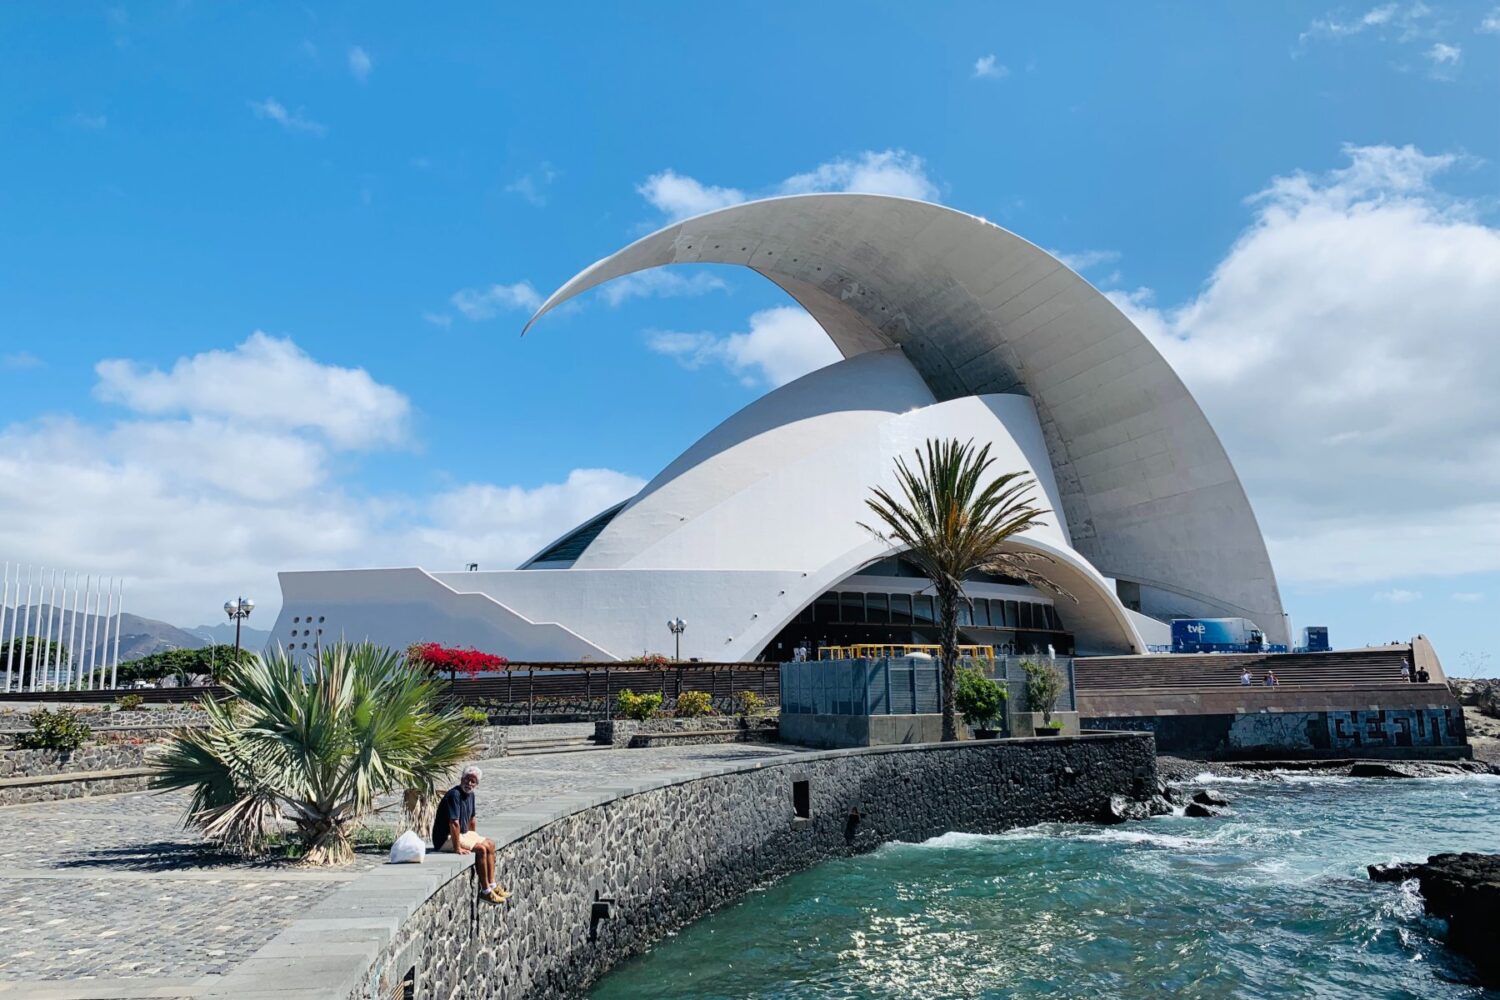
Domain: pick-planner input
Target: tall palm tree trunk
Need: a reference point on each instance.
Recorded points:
(947, 599)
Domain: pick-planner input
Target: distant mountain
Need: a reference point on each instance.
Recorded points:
(138, 636)
(223, 634)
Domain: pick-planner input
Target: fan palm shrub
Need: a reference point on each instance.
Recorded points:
(952, 516)
(315, 746)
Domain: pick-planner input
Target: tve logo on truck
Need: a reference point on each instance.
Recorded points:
(1216, 635)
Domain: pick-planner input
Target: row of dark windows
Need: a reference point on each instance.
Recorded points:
(854, 608)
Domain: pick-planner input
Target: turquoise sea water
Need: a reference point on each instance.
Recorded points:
(1271, 902)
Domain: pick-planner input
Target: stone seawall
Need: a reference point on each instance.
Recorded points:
(598, 881)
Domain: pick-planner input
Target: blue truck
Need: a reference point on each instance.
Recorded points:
(1217, 635)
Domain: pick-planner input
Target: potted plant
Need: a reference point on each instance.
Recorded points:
(1044, 685)
(980, 701)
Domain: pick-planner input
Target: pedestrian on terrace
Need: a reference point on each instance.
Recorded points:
(1406, 670)
(1271, 680)
(455, 830)
(1245, 679)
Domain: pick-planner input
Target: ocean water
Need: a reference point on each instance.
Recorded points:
(1270, 902)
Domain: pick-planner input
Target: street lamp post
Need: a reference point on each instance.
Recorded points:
(677, 626)
(238, 610)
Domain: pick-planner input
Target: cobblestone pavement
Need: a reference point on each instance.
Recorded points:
(110, 897)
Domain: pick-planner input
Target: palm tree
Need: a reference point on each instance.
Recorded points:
(951, 522)
(314, 746)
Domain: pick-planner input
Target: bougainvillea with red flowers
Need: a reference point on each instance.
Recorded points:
(454, 660)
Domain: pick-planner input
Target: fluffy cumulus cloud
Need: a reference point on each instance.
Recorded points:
(230, 465)
(1344, 349)
(1398, 596)
(264, 382)
(890, 171)
(680, 197)
(782, 344)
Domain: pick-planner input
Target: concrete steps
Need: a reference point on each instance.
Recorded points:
(566, 744)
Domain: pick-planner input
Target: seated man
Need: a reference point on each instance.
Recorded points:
(1245, 679)
(454, 830)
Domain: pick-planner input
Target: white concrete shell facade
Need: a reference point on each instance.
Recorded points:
(950, 327)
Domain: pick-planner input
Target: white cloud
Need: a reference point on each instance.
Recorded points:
(195, 507)
(1445, 60)
(1388, 21)
(661, 283)
(265, 382)
(1398, 596)
(360, 63)
(533, 186)
(438, 319)
(1467, 597)
(499, 526)
(890, 171)
(680, 197)
(1344, 350)
(486, 303)
(782, 344)
(893, 171)
(1490, 24)
(292, 121)
(986, 67)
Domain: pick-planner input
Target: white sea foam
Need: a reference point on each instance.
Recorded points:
(1209, 778)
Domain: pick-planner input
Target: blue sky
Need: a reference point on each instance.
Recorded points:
(1297, 201)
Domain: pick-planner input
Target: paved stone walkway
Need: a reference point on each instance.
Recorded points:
(110, 897)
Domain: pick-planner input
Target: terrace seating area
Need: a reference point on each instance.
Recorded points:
(1378, 666)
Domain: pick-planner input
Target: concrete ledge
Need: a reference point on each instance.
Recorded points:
(668, 849)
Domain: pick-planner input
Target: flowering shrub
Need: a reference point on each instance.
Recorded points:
(650, 660)
(438, 658)
(693, 704)
(637, 706)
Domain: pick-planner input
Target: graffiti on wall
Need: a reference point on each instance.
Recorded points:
(1352, 730)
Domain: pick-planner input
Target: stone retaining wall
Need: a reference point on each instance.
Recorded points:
(625, 732)
(32, 763)
(646, 862)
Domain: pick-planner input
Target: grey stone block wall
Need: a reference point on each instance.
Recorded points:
(668, 855)
(623, 732)
(31, 763)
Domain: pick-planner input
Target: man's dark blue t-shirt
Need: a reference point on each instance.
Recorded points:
(456, 805)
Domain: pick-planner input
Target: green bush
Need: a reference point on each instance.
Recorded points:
(639, 707)
(980, 700)
(693, 705)
(751, 703)
(1044, 685)
(474, 716)
(59, 730)
(129, 702)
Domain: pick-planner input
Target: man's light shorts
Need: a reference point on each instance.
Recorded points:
(468, 839)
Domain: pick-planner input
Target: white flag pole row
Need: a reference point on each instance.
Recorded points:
(40, 642)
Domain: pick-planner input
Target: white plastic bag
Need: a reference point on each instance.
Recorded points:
(408, 849)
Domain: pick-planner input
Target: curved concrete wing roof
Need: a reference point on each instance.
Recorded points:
(1147, 489)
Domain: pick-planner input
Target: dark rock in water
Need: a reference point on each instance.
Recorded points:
(1121, 809)
(1204, 811)
(1378, 769)
(1463, 889)
(1205, 797)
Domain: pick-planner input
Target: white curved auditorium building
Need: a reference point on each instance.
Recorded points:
(949, 326)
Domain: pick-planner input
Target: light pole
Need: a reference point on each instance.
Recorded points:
(238, 610)
(677, 626)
